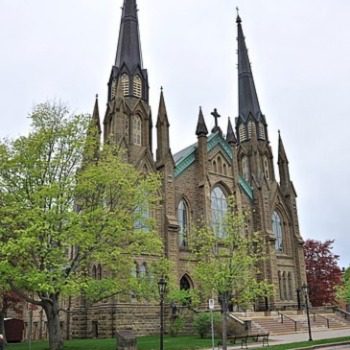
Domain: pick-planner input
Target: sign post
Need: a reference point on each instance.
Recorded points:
(211, 308)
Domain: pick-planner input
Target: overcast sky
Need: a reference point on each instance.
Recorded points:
(63, 50)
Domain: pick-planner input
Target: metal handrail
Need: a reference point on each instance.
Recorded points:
(315, 314)
(283, 316)
(344, 313)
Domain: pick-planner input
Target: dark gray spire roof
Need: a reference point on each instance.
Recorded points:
(230, 136)
(129, 45)
(95, 120)
(282, 155)
(248, 98)
(162, 112)
(201, 129)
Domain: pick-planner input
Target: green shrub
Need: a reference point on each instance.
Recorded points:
(202, 323)
(176, 326)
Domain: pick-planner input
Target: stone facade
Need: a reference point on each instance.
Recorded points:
(239, 164)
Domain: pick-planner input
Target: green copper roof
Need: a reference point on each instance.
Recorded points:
(246, 187)
(187, 156)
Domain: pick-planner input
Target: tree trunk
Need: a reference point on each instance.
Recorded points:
(224, 320)
(53, 324)
(2, 323)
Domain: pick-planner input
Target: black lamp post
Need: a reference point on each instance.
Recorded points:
(305, 289)
(298, 298)
(162, 290)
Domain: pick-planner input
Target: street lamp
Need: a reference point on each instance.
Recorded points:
(305, 289)
(162, 290)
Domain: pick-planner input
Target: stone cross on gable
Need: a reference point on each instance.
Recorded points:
(216, 116)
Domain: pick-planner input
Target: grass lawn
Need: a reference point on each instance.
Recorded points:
(152, 343)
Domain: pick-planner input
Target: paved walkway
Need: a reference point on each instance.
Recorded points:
(299, 337)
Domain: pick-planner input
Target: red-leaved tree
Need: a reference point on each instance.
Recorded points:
(322, 272)
(9, 300)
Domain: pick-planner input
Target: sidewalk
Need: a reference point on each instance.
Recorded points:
(299, 337)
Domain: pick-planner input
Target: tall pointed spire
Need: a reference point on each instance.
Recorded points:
(129, 45)
(248, 98)
(201, 129)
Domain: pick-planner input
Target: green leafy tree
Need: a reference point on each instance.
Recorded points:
(228, 266)
(343, 291)
(65, 205)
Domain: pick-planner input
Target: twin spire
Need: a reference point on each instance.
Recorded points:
(248, 98)
(129, 44)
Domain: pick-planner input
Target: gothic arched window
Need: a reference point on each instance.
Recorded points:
(99, 272)
(182, 217)
(137, 130)
(245, 168)
(277, 231)
(125, 84)
(143, 270)
(266, 168)
(142, 215)
(185, 283)
(134, 270)
(219, 165)
(94, 272)
(290, 286)
(218, 211)
(137, 86)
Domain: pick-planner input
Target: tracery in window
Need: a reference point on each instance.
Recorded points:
(137, 130)
(218, 211)
(142, 216)
(182, 217)
(277, 231)
(137, 86)
(125, 84)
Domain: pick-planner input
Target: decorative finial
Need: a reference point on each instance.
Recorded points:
(161, 88)
(279, 132)
(96, 96)
(238, 20)
(216, 116)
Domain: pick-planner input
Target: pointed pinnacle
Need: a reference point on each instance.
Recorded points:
(230, 137)
(201, 129)
(282, 155)
(162, 112)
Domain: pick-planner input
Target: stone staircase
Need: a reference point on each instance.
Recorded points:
(289, 322)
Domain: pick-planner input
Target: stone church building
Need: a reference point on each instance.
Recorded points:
(197, 182)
